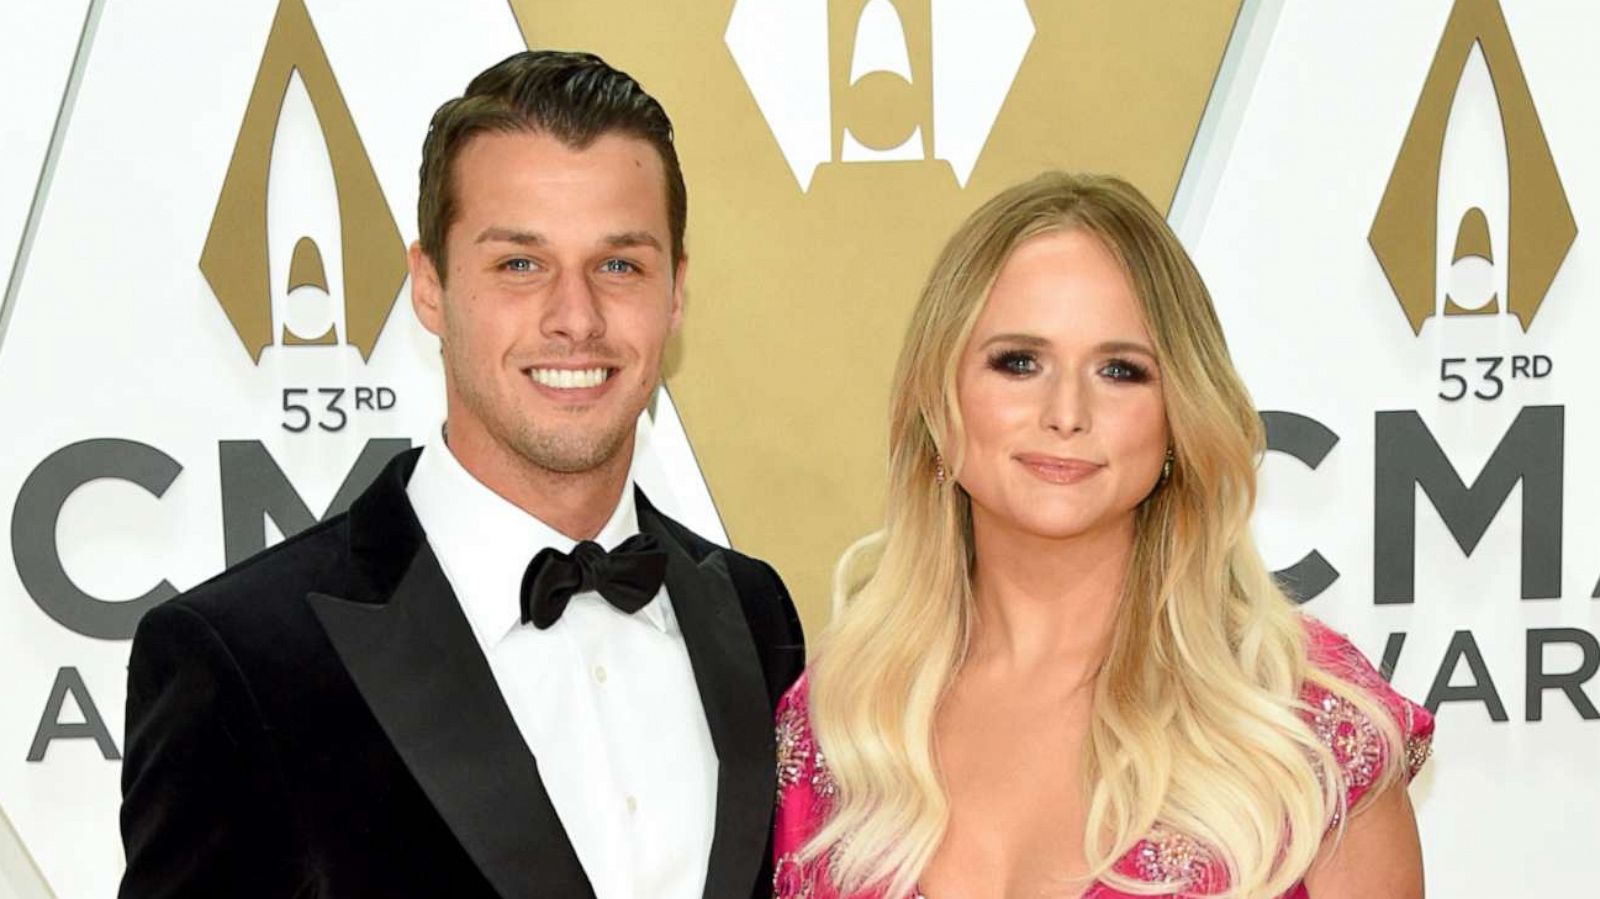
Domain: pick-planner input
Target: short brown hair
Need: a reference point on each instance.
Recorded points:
(573, 97)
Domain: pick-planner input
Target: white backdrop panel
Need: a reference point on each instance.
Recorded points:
(1507, 807)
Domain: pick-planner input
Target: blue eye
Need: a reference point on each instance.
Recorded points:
(519, 265)
(618, 267)
(1017, 363)
(1123, 370)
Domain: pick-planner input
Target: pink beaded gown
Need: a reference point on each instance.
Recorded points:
(805, 787)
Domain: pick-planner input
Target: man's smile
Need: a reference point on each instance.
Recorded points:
(570, 378)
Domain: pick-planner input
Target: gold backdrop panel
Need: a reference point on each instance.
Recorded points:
(798, 295)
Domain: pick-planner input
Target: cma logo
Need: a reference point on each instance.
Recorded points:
(286, 272)
(857, 81)
(1474, 173)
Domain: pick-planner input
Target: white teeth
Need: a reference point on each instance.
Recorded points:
(569, 379)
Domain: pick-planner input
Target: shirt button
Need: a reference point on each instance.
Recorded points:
(633, 805)
(599, 674)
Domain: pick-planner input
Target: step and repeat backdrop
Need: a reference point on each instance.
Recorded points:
(206, 341)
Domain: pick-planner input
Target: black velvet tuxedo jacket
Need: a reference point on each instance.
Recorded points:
(320, 721)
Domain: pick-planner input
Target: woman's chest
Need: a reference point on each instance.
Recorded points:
(1018, 803)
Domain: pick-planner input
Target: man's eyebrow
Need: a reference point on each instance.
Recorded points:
(619, 240)
(632, 239)
(510, 235)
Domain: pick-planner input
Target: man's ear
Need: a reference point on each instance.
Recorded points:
(680, 275)
(427, 291)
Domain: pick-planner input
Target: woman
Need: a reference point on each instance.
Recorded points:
(1062, 669)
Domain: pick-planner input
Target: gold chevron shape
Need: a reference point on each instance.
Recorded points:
(1404, 235)
(234, 259)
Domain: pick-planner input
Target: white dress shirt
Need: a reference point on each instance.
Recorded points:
(606, 701)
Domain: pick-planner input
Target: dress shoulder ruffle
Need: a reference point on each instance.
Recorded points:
(1354, 738)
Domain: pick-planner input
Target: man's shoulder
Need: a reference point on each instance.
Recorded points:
(695, 545)
(272, 584)
(748, 572)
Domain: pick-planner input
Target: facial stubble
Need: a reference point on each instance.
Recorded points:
(545, 445)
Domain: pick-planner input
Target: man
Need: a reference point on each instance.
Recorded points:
(503, 672)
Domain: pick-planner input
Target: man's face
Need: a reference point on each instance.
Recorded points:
(559, 299)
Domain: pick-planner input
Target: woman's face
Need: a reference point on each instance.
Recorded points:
(1060, 394)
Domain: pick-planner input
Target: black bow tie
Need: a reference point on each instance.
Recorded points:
(628, 577)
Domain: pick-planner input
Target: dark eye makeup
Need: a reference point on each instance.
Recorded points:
(1126, 370)
(1022, 363)
(1014, 362)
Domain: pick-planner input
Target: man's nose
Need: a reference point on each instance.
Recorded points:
(572, 310)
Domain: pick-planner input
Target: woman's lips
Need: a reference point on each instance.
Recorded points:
(1058, 470)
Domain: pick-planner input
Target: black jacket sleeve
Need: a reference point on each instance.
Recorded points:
(203, 809)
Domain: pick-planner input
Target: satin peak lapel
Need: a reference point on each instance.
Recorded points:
(419, 668)
(733, 692)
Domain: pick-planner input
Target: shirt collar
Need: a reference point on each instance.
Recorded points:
(484, 542)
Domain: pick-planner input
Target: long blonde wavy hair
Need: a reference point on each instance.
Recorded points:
(1196, 723)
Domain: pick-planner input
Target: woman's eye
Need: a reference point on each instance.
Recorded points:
(1123, 370)
(1014, 362)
